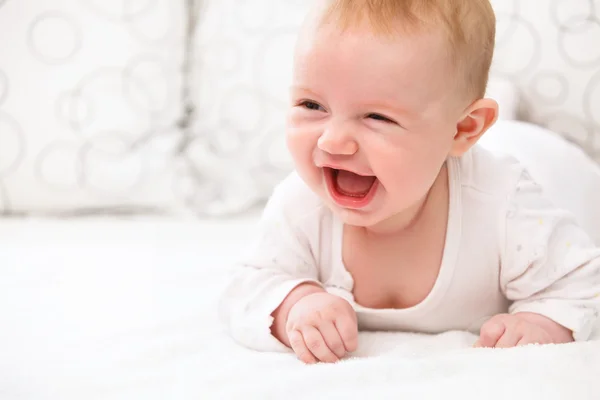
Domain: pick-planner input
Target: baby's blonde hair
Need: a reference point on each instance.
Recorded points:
(470, 27)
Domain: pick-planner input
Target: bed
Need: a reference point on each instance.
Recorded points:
(125, 309)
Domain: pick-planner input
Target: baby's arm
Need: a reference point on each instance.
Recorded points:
(550, 269)
(275, 301)
(278, 260)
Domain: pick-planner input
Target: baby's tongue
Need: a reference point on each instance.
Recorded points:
(355, 185)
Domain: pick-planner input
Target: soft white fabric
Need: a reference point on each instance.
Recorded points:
(89, 105)
(505, 242)
(549, 50)
(126, 310)
(569, 177)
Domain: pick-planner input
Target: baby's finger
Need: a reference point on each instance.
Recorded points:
(332, 339)
(524, 341)
(348, 329)
(510, 339)
(538, 338)
(300, 348)
(490, 333)
(317, 346)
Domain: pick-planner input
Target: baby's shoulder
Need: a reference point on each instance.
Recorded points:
(492, 174)
(295, 201)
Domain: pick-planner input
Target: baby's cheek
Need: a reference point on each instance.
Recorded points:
(294, 137)
(301, 144)
(398, 170)
(407, 180)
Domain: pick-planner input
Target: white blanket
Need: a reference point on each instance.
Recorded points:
(126, 310)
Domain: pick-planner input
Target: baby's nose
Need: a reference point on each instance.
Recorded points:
(337, 143)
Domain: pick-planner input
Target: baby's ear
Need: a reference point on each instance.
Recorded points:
(475, 121)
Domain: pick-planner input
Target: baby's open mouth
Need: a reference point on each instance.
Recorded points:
(351, 184)
(350, 189)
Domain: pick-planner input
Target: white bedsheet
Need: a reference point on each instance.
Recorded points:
(116, 309)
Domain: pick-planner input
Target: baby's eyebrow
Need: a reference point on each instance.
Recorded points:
(303, 91)
(300, 88)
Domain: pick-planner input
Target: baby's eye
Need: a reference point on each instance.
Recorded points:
(378, 117)
(311, 105)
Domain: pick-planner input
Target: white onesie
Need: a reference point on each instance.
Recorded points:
(508, 249)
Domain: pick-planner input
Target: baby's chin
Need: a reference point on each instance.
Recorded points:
(357, 218)
(348, 217)
(378, 219)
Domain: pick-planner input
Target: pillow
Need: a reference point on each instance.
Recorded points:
(570, 178)
(89, 103)
(551, 50)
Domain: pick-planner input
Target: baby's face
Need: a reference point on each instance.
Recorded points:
(372, 120)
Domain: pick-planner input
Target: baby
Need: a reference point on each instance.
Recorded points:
(395, 219)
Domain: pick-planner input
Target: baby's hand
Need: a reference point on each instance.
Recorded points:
(507, 330)
(322, 327)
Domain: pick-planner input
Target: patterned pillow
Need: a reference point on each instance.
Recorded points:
(85, 88)
(551, 50)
